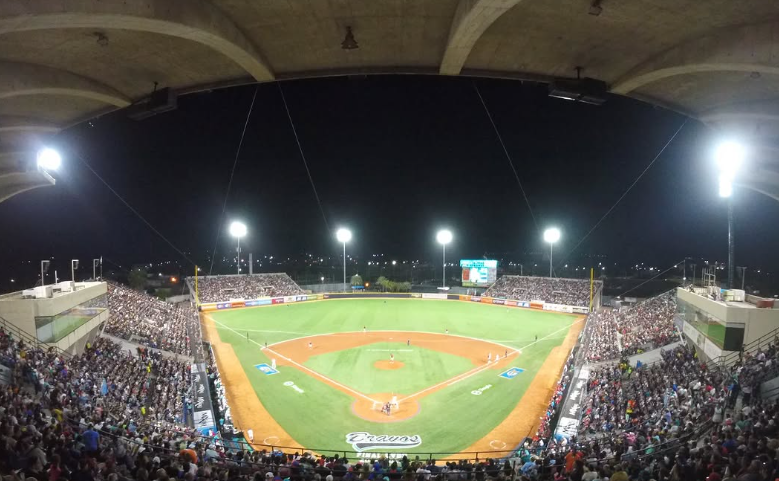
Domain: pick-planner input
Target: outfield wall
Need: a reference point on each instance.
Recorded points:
(267, 301)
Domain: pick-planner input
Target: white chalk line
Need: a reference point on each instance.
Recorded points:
(300, 366)
(454, 380)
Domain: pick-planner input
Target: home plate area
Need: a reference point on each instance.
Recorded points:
(416, 364)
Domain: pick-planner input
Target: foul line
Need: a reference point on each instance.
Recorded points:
(300, 366)
(476, 370)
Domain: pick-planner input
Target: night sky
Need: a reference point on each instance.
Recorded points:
(393, 158)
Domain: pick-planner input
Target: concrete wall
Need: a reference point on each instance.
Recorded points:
(22, 312)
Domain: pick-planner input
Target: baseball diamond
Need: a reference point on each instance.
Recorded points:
(393, 372)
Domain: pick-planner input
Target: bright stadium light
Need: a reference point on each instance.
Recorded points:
(49, 159)
(729, 156)
(551, 235)
(444, 236)
(344, 236)
(238, 230)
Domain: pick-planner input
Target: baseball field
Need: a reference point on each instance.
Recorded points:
(390, 376)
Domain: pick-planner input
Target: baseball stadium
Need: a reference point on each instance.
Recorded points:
(558, 188)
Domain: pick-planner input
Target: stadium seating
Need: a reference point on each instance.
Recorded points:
(255, 286)
(624, 332)
(139, 317)
(109, 415)
(569, 292)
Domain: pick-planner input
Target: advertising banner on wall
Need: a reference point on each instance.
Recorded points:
(433, 296)
(570, 415)
(201, 401)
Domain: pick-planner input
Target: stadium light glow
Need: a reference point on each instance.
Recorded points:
(238, 230)
(344, 235)
(729, 155)
(551, 235)
(444, 236)
(49, 159)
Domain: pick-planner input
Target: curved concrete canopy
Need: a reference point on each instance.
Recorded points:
(716, 60)
(19, 79)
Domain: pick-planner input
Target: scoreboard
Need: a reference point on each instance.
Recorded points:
(478, 272)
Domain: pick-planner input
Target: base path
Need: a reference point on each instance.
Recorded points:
(246, 409)
(524, 419)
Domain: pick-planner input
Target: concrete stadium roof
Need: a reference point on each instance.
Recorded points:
(65, 61)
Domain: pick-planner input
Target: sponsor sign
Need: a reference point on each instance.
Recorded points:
(223, 305)
(289, 299)
(580, 310)
(294, 386)
(478, 392)
(325, 296)
(265, 369)
(566, 428)
(536, 304)
(433, 296)
(465, 298)
(201, 400)
(511, 303)
(475, 298)
(500, 301)
(511, 373)
(277, 300)
(557, 308)
(237, 303)
(258, 302)
(486, 300)
(416, 295)
(523, 304)
(363, 441)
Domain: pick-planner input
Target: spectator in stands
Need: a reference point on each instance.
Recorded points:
(255, 286)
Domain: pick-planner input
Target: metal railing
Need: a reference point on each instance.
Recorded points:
(32, 340)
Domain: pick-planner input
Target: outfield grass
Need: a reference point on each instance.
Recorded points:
(450, 419)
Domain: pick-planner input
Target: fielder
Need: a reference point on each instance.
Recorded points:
(310, 345)
(489, 357)
(392, 358)
(273, 363)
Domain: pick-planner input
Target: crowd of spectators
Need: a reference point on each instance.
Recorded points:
(254, 286)
(568, 292)
(629, 330)
(139, 317)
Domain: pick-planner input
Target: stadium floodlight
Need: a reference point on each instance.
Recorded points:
(551, 235)
(238, 230)
(344, 235)
(444, 236)
(729, 155)
(49, 159)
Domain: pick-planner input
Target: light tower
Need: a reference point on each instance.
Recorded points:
(444, 237)
(344, 235)
(729, 156)
(551, 235)
(238, 230)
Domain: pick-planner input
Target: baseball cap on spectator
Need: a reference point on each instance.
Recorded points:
(156, 460)
(269, 475)
(329, 477)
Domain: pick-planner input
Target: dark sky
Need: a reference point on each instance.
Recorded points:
(394, 158)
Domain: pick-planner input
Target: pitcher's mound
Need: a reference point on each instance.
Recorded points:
(387, 365)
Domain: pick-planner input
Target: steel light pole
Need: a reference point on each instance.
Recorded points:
(238, 230)
(551, 235)
(444, 237)
(344, 236)
(729, 156)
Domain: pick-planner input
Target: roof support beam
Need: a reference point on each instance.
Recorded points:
(19, 79)
(471, 20)
(750, 48)
(11, 123)
(195, 20)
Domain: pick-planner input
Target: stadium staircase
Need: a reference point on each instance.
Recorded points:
(32, 340)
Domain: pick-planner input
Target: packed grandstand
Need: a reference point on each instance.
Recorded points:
(112, 414)
(568, 292)
(255, 286)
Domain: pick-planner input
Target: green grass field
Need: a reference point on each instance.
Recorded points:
(449, 420)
